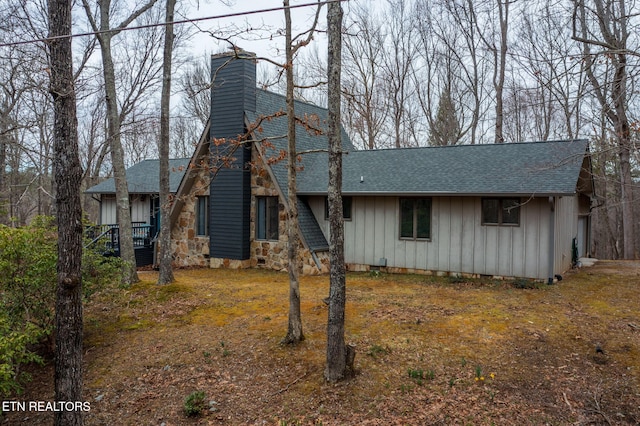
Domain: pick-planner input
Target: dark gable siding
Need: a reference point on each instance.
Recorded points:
(233, 92)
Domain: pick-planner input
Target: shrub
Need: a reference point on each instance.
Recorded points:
(14, 352)
(194, 404)
(28, 283)
(28, 274)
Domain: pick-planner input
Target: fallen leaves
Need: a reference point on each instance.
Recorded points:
(217, 331)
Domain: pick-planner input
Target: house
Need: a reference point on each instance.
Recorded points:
(505, 210)
(143, 186)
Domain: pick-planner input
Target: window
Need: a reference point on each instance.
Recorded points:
(202, 215)
(415, 218)
(267, 218)
(346, 208)
(500, 211)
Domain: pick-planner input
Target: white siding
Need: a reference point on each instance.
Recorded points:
(139, 209)
(459, 242)
(108, 210)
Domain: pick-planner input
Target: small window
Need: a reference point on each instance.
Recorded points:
(267, 218)
(415, 218)
(347, 203)
(501, 211)
(202, 215)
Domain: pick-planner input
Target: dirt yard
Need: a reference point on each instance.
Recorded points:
(429, 351)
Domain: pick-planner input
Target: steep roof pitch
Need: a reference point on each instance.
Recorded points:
(143, 178)
(309, 138)
(191, 170)
(518, 169)
(308, 142)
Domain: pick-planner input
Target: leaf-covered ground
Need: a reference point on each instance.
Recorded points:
(429, 351)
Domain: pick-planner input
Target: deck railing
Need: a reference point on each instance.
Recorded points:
(106, 238)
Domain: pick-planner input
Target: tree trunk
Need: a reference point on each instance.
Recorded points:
(339, 356)
(105, 35)
(123, 213)
(294, 331)
(68, 175)
(614, 34)
(623, 135)
(166, 273)
(501, 64)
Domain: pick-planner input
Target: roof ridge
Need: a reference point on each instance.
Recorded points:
(472, 145)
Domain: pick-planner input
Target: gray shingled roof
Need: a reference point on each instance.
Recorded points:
(143, 178)
(533, 168)
(268, 103)
(519, 169)
(310, 228)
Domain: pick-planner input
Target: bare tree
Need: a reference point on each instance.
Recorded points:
(292, 45)
(68, 174)
(397, 63)
(340, 356)
(165, 275)
(294, 329)
(469, 62)
(102, 26)
(548, 59)
(495, 39)
(603, 25)
(195, 84)
(25, 115)
(362, 84)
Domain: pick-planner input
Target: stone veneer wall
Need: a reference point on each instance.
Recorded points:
(271, 254)
(190, 249)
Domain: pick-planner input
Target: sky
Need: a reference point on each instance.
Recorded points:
(264, 38)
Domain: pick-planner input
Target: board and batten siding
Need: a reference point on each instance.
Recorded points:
(108, 210)
(459, 242)
(566, 229)
(140, 209)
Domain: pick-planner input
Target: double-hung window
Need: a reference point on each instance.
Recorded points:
(202, 215)
(267, 218)
(415, 218)
(501, 211)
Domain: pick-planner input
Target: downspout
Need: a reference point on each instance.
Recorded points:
(552, 223)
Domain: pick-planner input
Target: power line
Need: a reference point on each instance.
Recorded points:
(163, 24)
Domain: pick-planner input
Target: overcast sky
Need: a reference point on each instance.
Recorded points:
(264, 39)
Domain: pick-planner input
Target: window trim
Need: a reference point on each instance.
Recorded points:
(205, 199)
(268, 219)
(415, 237)
(500, 201)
